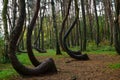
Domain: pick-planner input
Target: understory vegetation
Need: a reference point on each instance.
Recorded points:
(7, 72)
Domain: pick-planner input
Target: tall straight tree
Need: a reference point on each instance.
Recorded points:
(84, 25)
(14, 13)
(97, 24)
(55, 28)
(117, 27)
(110, 16)
(6, 34)
(90, 24)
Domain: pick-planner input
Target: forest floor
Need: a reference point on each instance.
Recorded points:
(97, 68)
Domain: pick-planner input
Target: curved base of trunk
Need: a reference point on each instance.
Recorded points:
(78, 56)
(40, 50)
(47, 66)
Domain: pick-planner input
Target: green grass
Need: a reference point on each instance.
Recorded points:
(5, 74)
(101, 52)
(102, 49)
(6, 70)
(51, 53)
(23, 58)
(114, 66)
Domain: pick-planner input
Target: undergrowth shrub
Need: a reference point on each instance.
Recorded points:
(103, 46)
(1, 49)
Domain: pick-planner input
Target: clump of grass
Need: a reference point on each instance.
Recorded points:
(4, 74)
(93, 47)
(114, 66)
(103, 48)
(24, 59)
(51, 53)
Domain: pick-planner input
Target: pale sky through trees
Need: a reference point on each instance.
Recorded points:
(0, 5)
(99, 9)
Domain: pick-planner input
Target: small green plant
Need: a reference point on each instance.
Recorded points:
(103, 48)
(4, 74)
(1, 49)
(114, 66)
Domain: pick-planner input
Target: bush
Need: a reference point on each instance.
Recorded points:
(1, 49)
(102, 47)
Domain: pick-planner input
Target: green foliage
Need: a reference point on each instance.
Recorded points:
(51, 53)
(1, 49)
(104, 46)
(4, 74)
(3, 58)
(6, 71)
(114, 66)
(23, 58)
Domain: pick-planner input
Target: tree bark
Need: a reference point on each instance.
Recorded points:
(97, 24)
(6, 34)
(117, 27)
(46, 66)
(73, 54)
(58, 52)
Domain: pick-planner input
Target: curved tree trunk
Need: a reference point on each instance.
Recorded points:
(45, 67)
(37, 41)
(34, 61)
(63, 25)
(62, 30)
(73, 54)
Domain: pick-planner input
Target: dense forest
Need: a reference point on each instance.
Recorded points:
(66, 30)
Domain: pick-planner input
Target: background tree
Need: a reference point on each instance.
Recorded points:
(55, 28)
(84, 26)
(6, 34)
(117, 26)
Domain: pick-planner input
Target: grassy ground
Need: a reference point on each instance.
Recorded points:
(6, 70)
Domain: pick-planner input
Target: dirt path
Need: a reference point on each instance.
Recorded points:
(94, 69)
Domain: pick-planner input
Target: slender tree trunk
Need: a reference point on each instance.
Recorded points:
(117, 27)
(55, 27)
(97, 24)
(84, 26)
(14, 12)
(88, 8)
(110, 20)
(6, 34)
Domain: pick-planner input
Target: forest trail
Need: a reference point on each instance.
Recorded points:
(94, 69)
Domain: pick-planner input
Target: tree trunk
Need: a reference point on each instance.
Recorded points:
(97, 24)
(14, 13)
(73, 54)
(6, 34)
(117, 27)
(58, 52)
(46, 66)
(84, 26)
